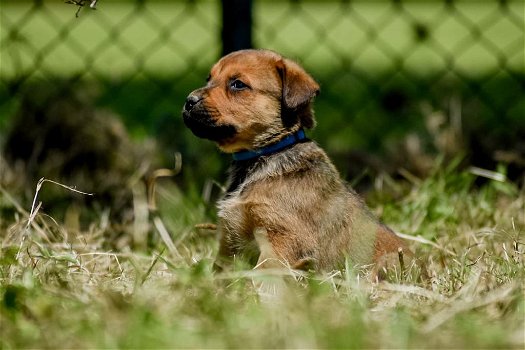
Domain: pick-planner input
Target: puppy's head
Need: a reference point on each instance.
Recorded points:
(252, 98)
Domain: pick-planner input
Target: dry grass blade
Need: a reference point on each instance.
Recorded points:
(415, 290)
(35, 207)
(34, 210)
(494, 296)
(151, 180)
(112, 255)
(164, 234)
(425, 241)
(206, 226)
(150, 268)
(492, 175)
(269, 272)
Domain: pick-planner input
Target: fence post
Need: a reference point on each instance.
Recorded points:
(236, 25)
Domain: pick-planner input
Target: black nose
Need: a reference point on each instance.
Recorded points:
(191, 101)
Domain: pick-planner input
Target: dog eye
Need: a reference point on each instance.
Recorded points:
(238, 85)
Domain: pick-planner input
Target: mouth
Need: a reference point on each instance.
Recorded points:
(203, 126)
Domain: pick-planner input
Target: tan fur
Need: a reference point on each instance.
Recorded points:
(290, 207)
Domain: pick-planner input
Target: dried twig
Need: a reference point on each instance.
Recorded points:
(206, 226)
(401, 261)
(81, 3)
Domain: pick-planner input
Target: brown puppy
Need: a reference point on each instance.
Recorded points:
(286, 203)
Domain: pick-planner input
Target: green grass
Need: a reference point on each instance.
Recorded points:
(61, 288)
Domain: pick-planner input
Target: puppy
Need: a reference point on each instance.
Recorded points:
(285, 204)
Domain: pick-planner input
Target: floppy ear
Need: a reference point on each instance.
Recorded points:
(298, 90)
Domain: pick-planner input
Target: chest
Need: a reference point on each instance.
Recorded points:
(234, 217)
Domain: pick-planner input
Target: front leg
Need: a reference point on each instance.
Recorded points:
(268, 286)
(226, 252)
(232, 246)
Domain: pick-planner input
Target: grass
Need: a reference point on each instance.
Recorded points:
(60, 288)
(152, 287)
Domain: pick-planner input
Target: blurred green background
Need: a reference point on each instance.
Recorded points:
(401, 81)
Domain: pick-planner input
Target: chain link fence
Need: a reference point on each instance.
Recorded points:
(388, 69)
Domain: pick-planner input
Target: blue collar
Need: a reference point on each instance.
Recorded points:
(263, 151)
